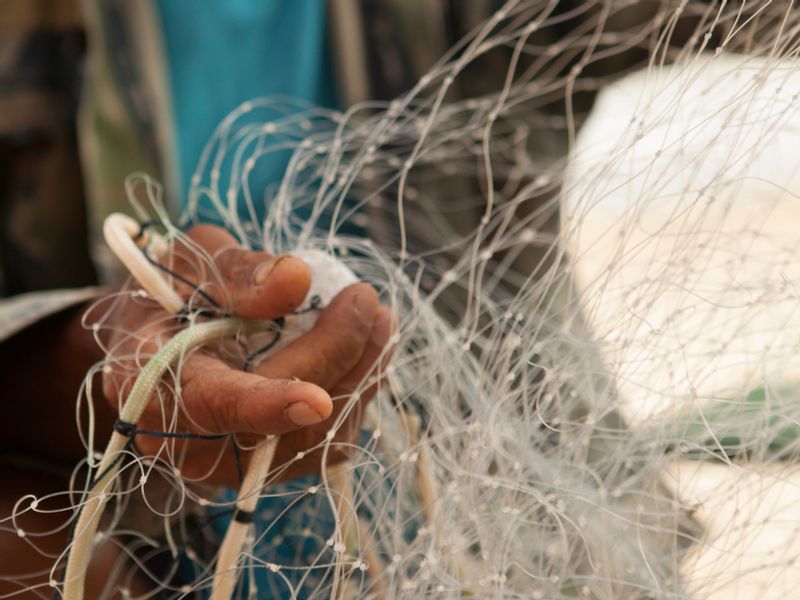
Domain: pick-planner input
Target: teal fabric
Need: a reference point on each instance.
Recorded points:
(221, 53)
(293, 529)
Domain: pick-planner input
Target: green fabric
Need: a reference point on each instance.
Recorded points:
(732, 429)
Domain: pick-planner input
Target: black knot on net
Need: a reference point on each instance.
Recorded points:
(143, 227)
(243, 516)
(125, 428)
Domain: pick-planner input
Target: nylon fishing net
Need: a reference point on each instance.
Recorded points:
(584, 219)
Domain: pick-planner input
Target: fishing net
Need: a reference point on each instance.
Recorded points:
(584, 219)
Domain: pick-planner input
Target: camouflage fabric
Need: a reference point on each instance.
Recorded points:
(43, 238)
(84, 102)
(112, 52)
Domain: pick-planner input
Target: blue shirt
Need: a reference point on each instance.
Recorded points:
(221, 53)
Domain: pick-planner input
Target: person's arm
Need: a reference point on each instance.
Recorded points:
(42, 368)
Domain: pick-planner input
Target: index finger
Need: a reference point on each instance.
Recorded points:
(220, 399)
(250, 284)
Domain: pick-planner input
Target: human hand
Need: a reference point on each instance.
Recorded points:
(289, 393)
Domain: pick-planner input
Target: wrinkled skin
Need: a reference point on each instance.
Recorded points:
(42, 369)
(346, 345)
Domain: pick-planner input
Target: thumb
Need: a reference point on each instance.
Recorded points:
(220, 399)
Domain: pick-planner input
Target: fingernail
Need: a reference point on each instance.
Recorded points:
(382, 328)
(302, 414)
(262, 272)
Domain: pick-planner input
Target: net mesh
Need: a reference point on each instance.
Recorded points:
(584, 218)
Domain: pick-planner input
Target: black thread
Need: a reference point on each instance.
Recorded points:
(249, 362)
(182, 279)
(143, 227)
(125, 428)
(130, 430)
(315, 304)
(185, 315)
(244, 516)
(185, 311)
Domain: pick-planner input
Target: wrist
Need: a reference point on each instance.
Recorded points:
(42, 369)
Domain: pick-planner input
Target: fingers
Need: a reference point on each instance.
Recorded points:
(334, 345)
(131, 346)
(219, 399)
(286, 394)
(263, 289)
(364, 377)
(254, 285)
(375, 356)
(213, 462)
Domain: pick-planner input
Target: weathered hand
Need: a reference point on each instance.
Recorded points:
(290, 393)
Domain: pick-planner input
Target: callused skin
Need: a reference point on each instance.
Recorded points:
(292, 393)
